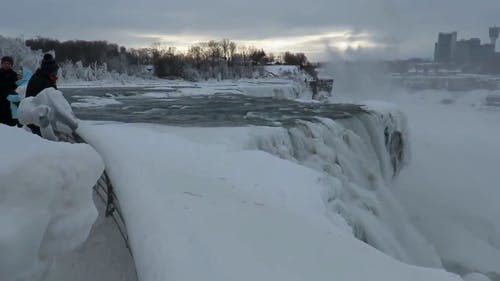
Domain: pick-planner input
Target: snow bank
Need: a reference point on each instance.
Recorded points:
(476, 277)
(46, 206)
(198, 205)
(50, 111)
(102, 257)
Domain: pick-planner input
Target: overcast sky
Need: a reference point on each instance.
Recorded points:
(383, 28)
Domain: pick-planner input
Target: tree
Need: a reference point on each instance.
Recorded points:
(258, 57)
(212, 59)
(232, 49)
(225, 44)
(295, 59)
(270, 58)
(301, 60)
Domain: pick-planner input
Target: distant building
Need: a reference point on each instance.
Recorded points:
(471, 54)
(494, 31)
(465, 49)
(470, 51)
(444, 50)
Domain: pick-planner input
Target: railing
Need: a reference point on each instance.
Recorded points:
(104, 190)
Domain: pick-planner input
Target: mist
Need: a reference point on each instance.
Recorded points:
(450, 188)
(356, 77)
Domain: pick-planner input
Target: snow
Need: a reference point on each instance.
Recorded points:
(282, 70)
(455, 171)
(202, 199)
(476, 277)
(352, 152)
(50, 111)
(103, 256)
(288, 203)
(46, 206)
(450, 189)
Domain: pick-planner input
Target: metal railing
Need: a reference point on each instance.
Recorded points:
(104, 190)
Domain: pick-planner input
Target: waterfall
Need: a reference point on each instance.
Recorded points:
(361, 155)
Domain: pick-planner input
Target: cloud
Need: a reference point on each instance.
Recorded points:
(407, 26)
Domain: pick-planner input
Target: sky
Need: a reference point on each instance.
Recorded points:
(385, 29)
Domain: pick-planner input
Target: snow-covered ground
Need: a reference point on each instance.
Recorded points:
(274, 203)
(46, 207)
(200, 204)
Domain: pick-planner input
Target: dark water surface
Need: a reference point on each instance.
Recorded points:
(221, 109)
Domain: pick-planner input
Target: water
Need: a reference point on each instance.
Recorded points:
(221, 109)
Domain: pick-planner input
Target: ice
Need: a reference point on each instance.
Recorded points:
(211, 199)
(200, 203)
(450, 189)
(94, 102)
(355, 152)
(50, 111)
(258, 203)
(476, 277)
(46, 206)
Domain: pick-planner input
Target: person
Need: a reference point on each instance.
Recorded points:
(45, 77)
(8, 78)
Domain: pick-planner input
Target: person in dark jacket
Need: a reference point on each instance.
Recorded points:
(44, 77)
(8, 78)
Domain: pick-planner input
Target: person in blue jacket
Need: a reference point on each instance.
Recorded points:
(14, 97)
(8, 78)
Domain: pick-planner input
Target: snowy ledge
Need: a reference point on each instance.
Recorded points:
(46, 206)
(209, 204)
(233, 203)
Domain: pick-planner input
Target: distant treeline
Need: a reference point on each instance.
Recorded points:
(222, 59)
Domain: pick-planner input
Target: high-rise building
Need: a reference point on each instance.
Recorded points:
(449, 50)
(444, 50)
(494, 31)
(469, 55)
